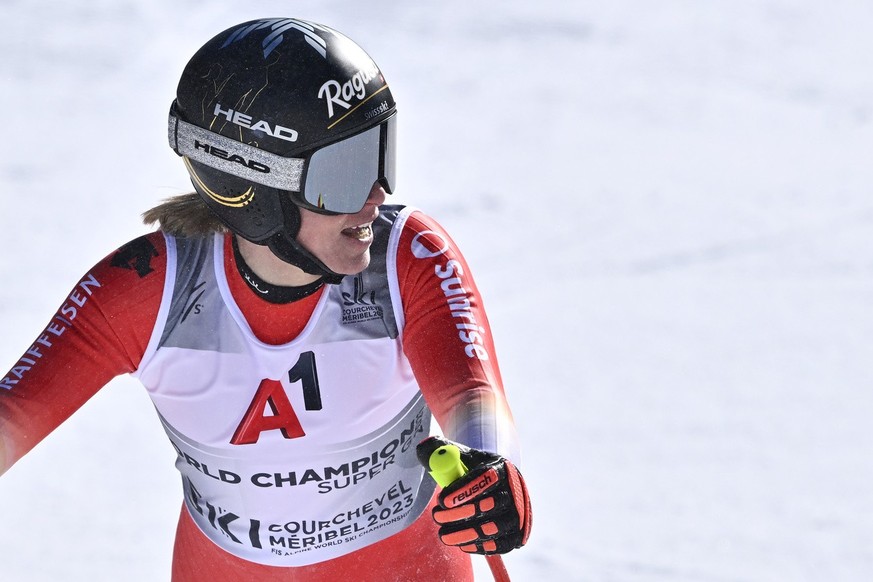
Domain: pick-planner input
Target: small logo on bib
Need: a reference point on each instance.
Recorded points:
(360, 305)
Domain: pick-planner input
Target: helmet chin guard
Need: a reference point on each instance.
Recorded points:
(284, 245)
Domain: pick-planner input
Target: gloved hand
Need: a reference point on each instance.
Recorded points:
(487, 510)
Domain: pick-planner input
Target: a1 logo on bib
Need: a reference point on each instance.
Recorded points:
(271, 395)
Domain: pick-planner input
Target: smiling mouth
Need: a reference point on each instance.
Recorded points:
(362, 232)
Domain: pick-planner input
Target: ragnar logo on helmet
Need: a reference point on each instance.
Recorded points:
(355, 88)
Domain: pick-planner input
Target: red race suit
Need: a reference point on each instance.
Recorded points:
(294, 423)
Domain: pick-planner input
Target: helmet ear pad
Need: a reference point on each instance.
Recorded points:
(252, 211)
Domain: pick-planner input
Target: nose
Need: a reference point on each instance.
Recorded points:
(377, 195)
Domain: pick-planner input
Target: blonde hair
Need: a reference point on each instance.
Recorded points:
(184, 215)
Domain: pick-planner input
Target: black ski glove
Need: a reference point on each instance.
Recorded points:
(487, 510)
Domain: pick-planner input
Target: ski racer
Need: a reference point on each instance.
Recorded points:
(298, 336)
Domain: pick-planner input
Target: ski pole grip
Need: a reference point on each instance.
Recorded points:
(446, 466)
(443, 462)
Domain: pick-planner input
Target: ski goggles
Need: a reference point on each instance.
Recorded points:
(333, 179)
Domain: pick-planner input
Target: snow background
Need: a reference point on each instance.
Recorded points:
(666, 205)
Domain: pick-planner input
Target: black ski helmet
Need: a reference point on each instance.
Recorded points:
(256, 108)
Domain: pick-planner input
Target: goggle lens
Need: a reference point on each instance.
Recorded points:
(339, 176)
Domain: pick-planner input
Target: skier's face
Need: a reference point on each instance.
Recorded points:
(342, 241)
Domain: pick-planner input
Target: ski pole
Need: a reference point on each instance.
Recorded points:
(446, 467)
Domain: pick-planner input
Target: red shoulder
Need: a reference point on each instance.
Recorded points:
(131, 285)
(437, 288)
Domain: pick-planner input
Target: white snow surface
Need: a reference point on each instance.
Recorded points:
(667, 206)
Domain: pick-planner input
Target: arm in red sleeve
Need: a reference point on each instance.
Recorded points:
(448, 340)
(100, 331)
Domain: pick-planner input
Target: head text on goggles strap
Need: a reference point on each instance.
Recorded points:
(233, 157)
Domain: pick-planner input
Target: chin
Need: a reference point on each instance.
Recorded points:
(352, 267)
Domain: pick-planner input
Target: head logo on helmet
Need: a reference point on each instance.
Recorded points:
(246, 121)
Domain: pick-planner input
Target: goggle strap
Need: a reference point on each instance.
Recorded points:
(233, 157)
